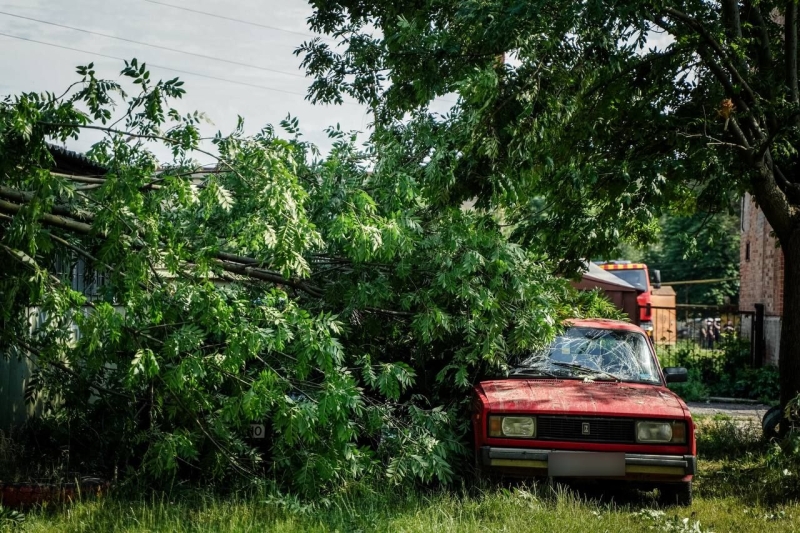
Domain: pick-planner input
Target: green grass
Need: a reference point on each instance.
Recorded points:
(736, 490)
(517, 509)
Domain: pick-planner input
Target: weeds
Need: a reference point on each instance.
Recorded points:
(740, 462)
(10, 517)
(720, 438)
(659, 521)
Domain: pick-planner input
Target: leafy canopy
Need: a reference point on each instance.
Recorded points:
(585, 121)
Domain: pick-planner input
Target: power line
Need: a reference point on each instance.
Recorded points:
(264, 87)
(153, 45)
(238, 20)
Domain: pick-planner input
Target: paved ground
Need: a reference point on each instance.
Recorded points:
(734, 410)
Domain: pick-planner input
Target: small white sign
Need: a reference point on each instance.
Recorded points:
(257, 431)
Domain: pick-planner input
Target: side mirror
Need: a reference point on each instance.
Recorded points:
(676, 374)
(656, 279)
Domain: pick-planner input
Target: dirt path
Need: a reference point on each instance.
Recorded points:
(734, 410)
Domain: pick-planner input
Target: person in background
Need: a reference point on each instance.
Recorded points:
(728, 330)
(703, 335)
(717, 329)
(709, 334)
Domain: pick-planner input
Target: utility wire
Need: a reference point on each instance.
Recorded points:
(238, 20)
(264, 87)
(296, 75)
(252, 24)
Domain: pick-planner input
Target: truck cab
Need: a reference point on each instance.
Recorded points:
(637, 275)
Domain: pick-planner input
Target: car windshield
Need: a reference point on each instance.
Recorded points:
(635, 277)
(582, 352)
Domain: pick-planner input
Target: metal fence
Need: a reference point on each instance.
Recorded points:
(710, 338)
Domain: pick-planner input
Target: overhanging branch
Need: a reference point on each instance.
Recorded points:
(703, 32)
(234, 264)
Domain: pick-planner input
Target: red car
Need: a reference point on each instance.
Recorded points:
(593, 404)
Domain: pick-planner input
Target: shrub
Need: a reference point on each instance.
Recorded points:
(694, 389)
(727, 373)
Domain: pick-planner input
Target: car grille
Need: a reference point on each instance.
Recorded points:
(570, 428)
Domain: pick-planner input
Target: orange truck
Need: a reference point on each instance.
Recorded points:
(637, 275)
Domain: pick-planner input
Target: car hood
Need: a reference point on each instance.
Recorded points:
(577, 397)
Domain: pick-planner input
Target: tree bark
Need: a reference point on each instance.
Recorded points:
(789, 363)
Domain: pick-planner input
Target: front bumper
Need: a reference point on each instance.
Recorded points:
(636, 465)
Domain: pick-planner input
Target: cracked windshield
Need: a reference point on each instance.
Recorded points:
(593, 353)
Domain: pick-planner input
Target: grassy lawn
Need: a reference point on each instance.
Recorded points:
(733, 493)
(516, 509)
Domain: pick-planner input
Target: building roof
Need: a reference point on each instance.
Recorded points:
(70, 162)
(597, 274)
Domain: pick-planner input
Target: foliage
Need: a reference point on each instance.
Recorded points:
(694, 389)
(10, 517)
(583, 122)
(695, 247)
(760, 384)
(721, 439)
(330, 298)
(726, 372)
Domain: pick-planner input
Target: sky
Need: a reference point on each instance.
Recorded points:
(259, 79)
(32, 66)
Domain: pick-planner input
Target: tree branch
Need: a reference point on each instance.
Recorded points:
(26, 197)
(389, 312)
(730, 14)
(266, 275)
(719, 73)
(790, 44)
(773, 201)
(52, 220)
(716, 46)
(231, 263)
(143, 136)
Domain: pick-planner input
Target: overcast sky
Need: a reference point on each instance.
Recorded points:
(263, 87)
(31, 66)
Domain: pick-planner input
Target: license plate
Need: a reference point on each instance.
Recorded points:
(585, 464)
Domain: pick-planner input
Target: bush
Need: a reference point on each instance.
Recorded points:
(760, 384)
(727, 373)
(694, 389)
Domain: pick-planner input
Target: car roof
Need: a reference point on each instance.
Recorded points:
(603, 323)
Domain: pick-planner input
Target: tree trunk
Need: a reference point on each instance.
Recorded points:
(789, 364)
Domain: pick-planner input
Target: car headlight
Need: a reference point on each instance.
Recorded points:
(512, 426)
(664, 432)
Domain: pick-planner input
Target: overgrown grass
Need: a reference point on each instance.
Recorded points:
(744, 484)
(522, 508)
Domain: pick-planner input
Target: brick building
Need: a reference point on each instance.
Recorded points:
(761, 275)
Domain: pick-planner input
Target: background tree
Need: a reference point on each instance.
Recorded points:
(586, 112)
(698, 246)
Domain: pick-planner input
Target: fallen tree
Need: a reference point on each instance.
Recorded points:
(338, 307)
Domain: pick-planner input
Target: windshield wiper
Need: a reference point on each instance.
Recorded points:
(586, 369)
(529, 371)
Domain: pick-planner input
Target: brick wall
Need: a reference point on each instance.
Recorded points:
(761, 263)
